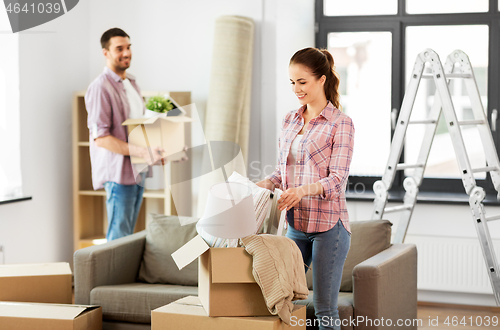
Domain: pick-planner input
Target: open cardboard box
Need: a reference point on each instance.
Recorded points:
(22, 316)
(42, 283)
(162, 130)
(226, 286)
(188, 313)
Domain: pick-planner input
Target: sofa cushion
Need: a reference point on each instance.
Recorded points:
(367, 239)
(134, 302)
(165, 235)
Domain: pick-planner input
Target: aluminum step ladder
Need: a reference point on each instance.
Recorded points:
(443, 102)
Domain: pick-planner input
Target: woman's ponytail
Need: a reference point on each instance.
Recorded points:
(332, 81)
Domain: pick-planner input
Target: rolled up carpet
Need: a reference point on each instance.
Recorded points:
(227, 116)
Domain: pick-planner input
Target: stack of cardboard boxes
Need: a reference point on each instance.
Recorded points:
(228, 296)
(39, 296)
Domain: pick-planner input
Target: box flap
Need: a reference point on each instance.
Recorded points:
(190, 305)
(179, 119)
(231, 265)
(162, 116)
(42, 311)
(138, 121)
(56, 268)
(189, 252)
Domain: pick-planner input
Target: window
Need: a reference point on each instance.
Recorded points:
(374, 51)
(360, 7)
(363, 61)
(10, 156)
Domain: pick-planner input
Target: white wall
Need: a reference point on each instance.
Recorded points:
(439, 223)
(53, 63)
(432, 219)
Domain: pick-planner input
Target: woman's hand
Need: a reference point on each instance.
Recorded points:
(290, 198)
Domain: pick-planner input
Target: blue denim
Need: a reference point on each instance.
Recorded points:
(123, 203)
(327, 251)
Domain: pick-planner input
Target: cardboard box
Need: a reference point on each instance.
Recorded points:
(188, 313)
(22, 316)
(163, 131)
(42, 283)
(226, 286)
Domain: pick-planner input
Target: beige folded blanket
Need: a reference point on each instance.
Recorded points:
(278, 268)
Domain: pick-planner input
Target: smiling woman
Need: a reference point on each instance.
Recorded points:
(315, 152)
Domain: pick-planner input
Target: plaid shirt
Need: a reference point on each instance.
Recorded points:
(324, 155)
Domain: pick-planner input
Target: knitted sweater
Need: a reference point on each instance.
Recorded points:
(278, 268)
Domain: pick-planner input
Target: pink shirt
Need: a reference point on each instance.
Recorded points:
(107, 106)
(324, 155)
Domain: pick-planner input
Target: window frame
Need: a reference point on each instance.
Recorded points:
(397, 24)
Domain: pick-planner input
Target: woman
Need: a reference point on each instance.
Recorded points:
(315, 151)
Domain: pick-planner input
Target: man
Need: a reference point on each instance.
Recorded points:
(112, 98)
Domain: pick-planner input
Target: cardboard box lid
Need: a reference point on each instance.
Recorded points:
(163, 116)
(42, 269)
(190, 251)
(228, 265)
(43, 311)
(189, 305)
(231, 265)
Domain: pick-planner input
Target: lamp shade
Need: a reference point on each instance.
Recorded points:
(229, 212)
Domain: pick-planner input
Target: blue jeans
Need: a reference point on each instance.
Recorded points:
(327, 251)
(123, 203)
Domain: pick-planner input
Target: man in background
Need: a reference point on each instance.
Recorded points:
(112, 98)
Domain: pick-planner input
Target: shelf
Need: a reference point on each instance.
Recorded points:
(96, 239)
(89, 211)
(90, 241)
(154, 194)
(100, 192)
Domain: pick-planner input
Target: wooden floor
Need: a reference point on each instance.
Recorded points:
(440, 317)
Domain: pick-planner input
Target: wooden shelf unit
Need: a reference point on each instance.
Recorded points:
(89, 206)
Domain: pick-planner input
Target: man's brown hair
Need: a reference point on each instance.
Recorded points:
(114, 32)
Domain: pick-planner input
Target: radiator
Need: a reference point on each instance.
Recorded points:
(452, 264)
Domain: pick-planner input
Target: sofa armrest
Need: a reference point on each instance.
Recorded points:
(116, 262)
(385, 286)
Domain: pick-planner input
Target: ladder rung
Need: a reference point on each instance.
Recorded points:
(471, 122)
(449, 75)
(495, 217)
(425, 121)
(397, 208)
(405, 166)
(485, 169)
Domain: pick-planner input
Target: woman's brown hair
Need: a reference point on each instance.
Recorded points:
(320, 62)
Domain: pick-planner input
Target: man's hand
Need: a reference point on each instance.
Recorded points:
(290, 198)
(154, 156)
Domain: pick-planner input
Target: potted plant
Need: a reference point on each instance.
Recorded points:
(156, 105)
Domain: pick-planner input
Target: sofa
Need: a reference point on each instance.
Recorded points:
(379, 281)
